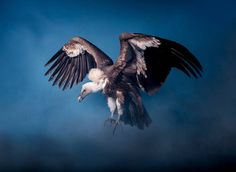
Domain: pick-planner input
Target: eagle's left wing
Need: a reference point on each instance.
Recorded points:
(149, 60)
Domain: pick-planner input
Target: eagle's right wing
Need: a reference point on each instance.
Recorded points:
(74, 60)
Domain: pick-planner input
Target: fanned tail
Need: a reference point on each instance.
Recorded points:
(135, 114)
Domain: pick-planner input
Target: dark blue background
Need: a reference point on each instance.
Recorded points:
(44, 128)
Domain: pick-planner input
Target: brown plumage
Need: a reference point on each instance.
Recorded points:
(143, 64)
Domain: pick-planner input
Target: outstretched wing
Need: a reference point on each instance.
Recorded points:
(149, 59)
(73, 61)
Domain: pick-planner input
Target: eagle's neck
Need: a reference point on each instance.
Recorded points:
(98, 78)
(96, 86)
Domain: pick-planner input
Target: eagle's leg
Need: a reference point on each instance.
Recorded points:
(112, 106)
(120, 112)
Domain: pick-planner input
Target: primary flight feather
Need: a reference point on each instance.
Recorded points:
(143, 64)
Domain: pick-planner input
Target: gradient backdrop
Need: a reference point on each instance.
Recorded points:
(45, 129)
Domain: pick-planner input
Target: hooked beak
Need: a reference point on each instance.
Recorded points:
(80, 98)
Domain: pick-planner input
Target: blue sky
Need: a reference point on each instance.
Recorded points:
(42, 127)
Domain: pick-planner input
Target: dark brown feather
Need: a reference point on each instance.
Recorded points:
(186, 65)
(81, 69)
(67, 68)
(65, 75)
(54, 64)
(67, 82)
(54, 57)
(78, 71)
(159, 60)
(189, 60)
(135, 113)
(60, 74)
(58, 68)
(84, 65)
(74, 73)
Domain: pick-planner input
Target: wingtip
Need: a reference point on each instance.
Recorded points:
(64, 88)
(197, 76)
(50, 79)
(45, 65)
(46, 73)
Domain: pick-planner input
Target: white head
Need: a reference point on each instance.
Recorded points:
(87, 88)
(98, 77)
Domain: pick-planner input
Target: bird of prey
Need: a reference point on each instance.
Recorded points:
(143, 64)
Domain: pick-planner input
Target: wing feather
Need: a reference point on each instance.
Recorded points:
(73, 61)
(65, 75)
(67, 82)
(78, 70)
(54, 64)
(58, 68)
(81, 70)
(152, 58)
(61, 72)
(197, 67)
(54, 57)
(75, 71)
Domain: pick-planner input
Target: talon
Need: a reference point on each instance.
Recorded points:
(117, 122)
(111, 120)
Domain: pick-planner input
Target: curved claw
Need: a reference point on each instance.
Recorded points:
(117, 122)
(111, 120)
(114, 122)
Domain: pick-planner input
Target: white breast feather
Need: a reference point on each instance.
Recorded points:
(96, 75)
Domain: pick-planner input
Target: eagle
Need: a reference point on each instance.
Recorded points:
(143, 65)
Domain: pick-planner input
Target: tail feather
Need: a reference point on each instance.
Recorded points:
(135, 115)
